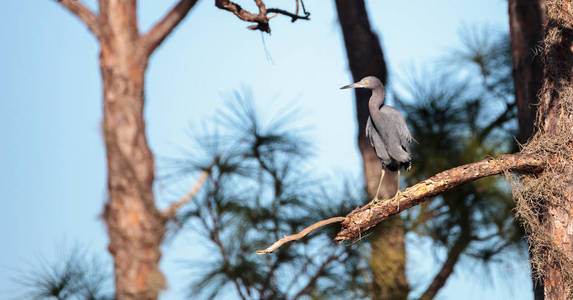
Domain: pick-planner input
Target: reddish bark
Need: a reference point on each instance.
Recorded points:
(135, 226)
(526, 33)
(556, 117)
(367, 216)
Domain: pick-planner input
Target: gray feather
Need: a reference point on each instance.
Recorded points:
(388, 132)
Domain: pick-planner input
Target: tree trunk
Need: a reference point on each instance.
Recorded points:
(365, 57)
(556, 123)
(526, 33)
(135, 226)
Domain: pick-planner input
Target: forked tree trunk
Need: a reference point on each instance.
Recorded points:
(365, 57)
(135, 226)
(526, 33)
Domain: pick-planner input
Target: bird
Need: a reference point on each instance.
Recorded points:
(387, 130)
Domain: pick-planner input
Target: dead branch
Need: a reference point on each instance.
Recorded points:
(365, 217)
(84, 14)
(152, 39)
(300, 235)
(261, 18)
(170, 212)
(293, 16)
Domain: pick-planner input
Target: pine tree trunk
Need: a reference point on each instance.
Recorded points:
(365, 57)
(135, 226)
(526, 33)
(556, 121)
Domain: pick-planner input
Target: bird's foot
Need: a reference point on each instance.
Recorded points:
(397, 198)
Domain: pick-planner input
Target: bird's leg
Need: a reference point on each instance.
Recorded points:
(380, 183)
(397, 189)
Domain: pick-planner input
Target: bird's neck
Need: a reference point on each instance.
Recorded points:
(377, 99)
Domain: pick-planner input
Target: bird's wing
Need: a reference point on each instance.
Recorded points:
(376, 142)
(393, 129)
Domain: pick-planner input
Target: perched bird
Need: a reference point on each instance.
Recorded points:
(386, 129)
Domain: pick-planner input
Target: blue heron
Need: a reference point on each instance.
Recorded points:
(386, 129)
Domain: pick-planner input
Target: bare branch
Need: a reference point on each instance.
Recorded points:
(84, 14)
(312, 281)
(447, 268)
(261, 17)
(364, 217)
(172, 210)
(157, 34)
(300, 235)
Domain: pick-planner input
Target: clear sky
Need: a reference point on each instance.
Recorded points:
(52, 182)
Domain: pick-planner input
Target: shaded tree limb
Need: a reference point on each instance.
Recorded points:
(84, 14)
(170, 212)
(365, 217)
(507, 115)
(300, 235)
(152, 39)
(313, 280)
(447, 267)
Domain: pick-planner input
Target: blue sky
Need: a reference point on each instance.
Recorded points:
(51, 152)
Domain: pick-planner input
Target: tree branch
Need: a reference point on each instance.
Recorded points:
(447, 268)
(500, 120)
(300, 235)
(170, 212)
(84, 14)
(293, 16)
(261, 17)
(157, 34)
(312, 281)
(365, 217)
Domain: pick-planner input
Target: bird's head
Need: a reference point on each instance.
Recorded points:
(368, 82)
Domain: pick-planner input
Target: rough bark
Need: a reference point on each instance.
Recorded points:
(556, 116)
(135, 226)
(526, 33)
(365, 57)
(365, 217)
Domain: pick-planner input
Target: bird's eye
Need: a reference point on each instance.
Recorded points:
(365, 82)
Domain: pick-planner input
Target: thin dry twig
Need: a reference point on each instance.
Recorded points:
(84, 14)
(300, 235)
(170, 212)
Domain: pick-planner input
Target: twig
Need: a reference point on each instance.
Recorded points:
(293, 16)
(152, 39)
(300, 235)
(172, 210)
(84, 14)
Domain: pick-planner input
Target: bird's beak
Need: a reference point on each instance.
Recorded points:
(352, 86)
